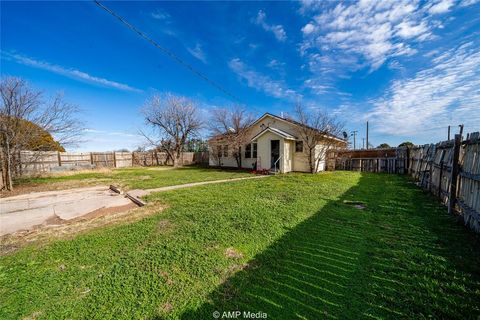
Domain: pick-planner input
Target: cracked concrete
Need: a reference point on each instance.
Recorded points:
(25, 211)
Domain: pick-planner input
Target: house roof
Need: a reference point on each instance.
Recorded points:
(279, 132)
(266, 114)
(291, 121)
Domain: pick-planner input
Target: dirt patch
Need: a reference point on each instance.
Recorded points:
(168, 279)
(360, 205)
(164, 226)
(232, 253)
(33, 316)
(106, 211)
(51, 186)
(236, 267)
(8, 248)
(53, 220)
(69, 229)
(166, 308)
(161, 168)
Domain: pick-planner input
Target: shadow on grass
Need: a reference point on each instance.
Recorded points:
(400, 257)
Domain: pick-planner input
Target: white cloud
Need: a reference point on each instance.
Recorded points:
(395, 65)
(441, 6)
(318, 87)
(366, 33)
(198, 53)
(466, 3)
(275, 64)
(308, 28)
(407, 31)
(309, 5)
(445, 94)
(277, 30)
(68, 72)
(160, 15)
(261, 82)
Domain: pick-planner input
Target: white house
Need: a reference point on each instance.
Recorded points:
(272, 143)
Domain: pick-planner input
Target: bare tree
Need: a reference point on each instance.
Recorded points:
(24, 116)
(175, 119)
(156, 144)
(319, 132)
(215, 153)
(230, 127)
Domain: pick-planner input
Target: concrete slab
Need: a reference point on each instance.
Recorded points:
(25, 211)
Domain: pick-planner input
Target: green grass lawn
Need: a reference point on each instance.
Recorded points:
(293, 246)
(141, 177)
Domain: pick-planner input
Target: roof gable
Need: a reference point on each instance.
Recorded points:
(283, 134)
(276, 131)
(295, 123)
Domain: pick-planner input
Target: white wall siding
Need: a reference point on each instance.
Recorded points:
(290, 161)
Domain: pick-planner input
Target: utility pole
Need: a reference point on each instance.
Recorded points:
(367, 134)
(363, 143)
(448, 133)
(461, 130)
(354, 134)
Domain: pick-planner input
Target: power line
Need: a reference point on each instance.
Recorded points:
(166, 51)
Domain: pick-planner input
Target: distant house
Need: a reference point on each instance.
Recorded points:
(272, 143)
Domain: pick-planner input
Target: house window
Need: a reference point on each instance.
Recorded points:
(254, 155)
(248, 151)
(219, 151)
(298, 146)
(225, 150)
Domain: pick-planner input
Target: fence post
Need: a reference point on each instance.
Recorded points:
(91, 158)
(114, 159)
(59, 159)
(455, 169)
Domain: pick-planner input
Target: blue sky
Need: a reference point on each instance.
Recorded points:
(409, 67)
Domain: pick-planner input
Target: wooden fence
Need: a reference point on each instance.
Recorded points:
(2, 183)
(392, 160)
(449, 169)
(46, 161)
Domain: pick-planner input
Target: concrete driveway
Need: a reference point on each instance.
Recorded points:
(25, 211)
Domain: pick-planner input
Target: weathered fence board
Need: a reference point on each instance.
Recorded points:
(31, 161)
(392, 160)
(47, 161)
(2, 183)
(453, 177)
(123, 159)
(469, 182)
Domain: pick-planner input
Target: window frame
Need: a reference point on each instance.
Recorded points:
(225, 151)
(297, 143)
(254, 150)
(248, 151)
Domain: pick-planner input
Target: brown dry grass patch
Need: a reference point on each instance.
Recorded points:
(67, 229)
(51, 186)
